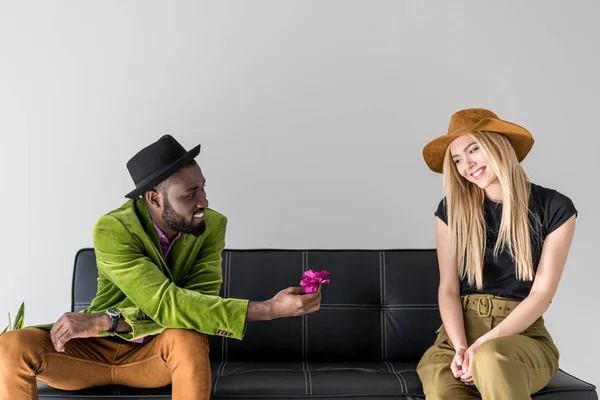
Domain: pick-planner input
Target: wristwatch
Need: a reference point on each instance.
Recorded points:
(114, 315)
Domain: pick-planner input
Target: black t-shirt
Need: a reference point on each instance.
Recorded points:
(499, 276)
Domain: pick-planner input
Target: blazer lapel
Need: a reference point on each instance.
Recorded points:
(152, 241)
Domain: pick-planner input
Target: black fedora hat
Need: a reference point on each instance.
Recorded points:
(156, 162)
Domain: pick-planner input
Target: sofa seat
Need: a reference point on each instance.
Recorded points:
(315, 380)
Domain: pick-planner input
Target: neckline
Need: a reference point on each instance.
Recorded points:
(492, 202)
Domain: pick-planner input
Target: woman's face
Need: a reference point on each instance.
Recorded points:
(471, 161)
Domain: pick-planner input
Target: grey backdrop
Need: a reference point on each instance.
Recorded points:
(311, 115)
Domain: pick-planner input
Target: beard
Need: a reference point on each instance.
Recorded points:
(178, 222)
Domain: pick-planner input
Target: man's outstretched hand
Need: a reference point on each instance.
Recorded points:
(76, 325)
(290, 302)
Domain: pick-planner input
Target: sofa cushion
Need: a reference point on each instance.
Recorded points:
(316, 380)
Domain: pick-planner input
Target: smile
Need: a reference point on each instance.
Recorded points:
(478, 173)
(199, 215)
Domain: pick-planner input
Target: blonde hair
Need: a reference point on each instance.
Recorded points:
(466, 221)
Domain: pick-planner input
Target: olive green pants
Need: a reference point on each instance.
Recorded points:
(509, 367)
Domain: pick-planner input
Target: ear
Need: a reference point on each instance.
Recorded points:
(153, 199)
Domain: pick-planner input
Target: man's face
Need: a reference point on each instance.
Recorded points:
(185, 200)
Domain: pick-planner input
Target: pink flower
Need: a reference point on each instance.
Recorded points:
(312, 279)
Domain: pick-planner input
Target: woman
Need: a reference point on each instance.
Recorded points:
(502, 244)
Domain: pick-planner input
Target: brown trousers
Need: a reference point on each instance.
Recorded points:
(509, 367)
(177, 356)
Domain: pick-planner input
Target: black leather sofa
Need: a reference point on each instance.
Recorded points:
(378, 316)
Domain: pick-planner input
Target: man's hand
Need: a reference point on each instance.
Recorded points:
(289, 302)
(76, 325)
(292, 302)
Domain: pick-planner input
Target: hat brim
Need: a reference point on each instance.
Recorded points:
(519, 137)
(163, 173)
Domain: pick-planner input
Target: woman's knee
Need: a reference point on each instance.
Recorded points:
(437, 380)
(492, 352)
(492, 358)
(440, 393)
(439, 383)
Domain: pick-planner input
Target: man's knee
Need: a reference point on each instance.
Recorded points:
(187, 340)
(187, 336)
(17, 345)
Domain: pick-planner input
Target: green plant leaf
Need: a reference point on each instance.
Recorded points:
(20, 317)
(9, 323)
(5, 329)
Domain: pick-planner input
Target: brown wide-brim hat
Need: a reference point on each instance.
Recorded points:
(476, 119)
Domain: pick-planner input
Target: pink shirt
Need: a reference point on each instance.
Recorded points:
(165, 245)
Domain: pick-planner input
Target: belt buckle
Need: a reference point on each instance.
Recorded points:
(485, 304)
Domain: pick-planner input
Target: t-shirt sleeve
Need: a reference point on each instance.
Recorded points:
(558, 210)
(441, 211)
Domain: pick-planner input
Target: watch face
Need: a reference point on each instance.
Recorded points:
(113, 312)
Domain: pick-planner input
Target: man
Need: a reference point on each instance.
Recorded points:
(159, 266)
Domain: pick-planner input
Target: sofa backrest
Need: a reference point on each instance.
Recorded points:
(380, 305)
